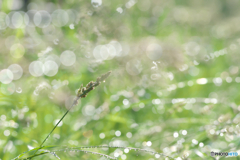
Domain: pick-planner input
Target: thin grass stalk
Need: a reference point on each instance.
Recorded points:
(82, 93)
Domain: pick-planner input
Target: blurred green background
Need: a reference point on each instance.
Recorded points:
(174, 87)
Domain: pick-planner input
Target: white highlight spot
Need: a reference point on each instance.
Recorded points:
(190, 83)
(184, 132)
(50, 68)
(96, 3)
(201, 144)
(71, 26)
(16, 19)
(60, 18)
(30, 147)
(149, 143)
(56, 121)
(36, 68)
(6, 76)
(68, 58)
(125, 102)
(118, 47)
(217, 81)
(194, 141)
(175, 134)
(129, 135)
(102, 135)
(123, 156)
(202, 81)
(119, 9)
(157, 155)
(154, 51)
(228, 79)
(116, 154)
(6, 133)
(141, 105)
(126, 150)
(16, 70)
(212, 131)
(4, 21)
(42, 19)
(118, 133)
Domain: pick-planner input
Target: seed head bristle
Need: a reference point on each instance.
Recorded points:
(104, 76)
(83, 91)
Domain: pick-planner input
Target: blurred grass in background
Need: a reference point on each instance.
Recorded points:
(173, 88)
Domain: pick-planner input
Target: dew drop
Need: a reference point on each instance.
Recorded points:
(19, 90)
(55, 41)
(36, 92)
(96, 3)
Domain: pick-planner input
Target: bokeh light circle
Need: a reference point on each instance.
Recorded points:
(42, 19)
(88, 110)
(8, 89)
(29, 18)
(96, 52)
(111, 51)
(96, 3)
(125, 49)
(134, 67)
(72, 15)
(154, 51)
(16, 70)
(36, 68)
(56, 121)
(4, 20)
(53, 57)
(68, 58)
(16, 19)
(6, 76)
(17, 50)
(117, 46)
(104, 52)
(50, 68)
(192, 48)
(60, 18)
(14, 4)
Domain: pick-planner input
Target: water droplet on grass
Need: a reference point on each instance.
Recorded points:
(55, 41)
(96, 3)
(19, 90)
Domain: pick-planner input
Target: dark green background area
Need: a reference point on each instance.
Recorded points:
(211, 25)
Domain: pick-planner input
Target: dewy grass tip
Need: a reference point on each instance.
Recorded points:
(82, 92)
